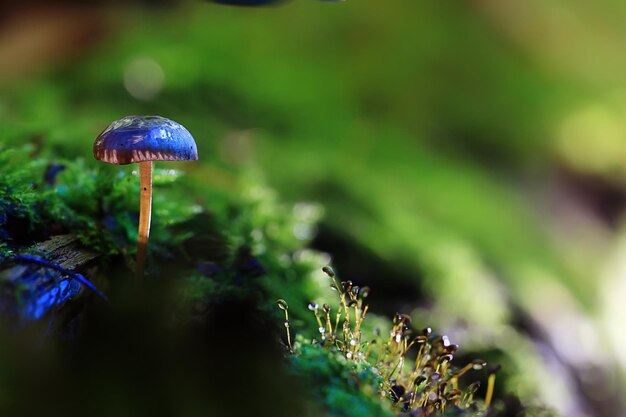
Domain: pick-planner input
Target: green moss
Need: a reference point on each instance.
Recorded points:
(225, 246)
(344, 388)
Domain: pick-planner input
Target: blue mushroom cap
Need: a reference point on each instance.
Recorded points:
(144, 138)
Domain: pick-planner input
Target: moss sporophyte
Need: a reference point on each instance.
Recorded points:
(143, 139)
(413, 373)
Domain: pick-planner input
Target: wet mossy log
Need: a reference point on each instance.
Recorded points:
(66, 251)
(36, 285)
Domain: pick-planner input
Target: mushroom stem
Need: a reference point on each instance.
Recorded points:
(145, 213)
(490, 385)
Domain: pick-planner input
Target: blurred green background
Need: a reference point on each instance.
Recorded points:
(469, 157)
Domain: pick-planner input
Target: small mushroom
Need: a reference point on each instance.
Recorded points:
(143, 139)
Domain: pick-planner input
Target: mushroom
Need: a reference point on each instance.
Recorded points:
(144, 139)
